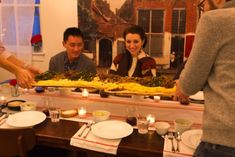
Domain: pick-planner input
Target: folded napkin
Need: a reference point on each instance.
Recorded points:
(94, 143)
(185, 151)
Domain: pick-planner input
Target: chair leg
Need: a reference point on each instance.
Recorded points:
(20, 144)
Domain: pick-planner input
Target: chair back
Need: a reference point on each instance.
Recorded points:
(16, 142)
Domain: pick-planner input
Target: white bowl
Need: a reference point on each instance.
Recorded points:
(28, 106)
(100, 115)
(182, 125)
(162, 127)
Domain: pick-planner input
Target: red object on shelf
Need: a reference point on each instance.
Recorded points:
(13, 82)
(36, 39)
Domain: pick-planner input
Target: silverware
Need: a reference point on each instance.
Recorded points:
(83, 128)
(171, 137)
(88, 128)
(178, 139)
(3, 118)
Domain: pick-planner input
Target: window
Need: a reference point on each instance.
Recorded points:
(36, 39)
(177, 40)
(153, 23)
(178, 21)
(16, 23)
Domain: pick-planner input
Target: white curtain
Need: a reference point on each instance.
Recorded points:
(16, 23)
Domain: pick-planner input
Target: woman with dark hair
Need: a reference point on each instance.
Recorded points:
(134, 62)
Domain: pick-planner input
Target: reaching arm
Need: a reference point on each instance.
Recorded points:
(24, 78)
(34, 71)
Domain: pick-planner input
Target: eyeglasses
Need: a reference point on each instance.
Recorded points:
(201, 5)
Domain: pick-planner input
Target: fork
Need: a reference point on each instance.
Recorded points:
(89, 129)
(171, 137)
(178, 139)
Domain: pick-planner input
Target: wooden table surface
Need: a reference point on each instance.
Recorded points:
(59, 134)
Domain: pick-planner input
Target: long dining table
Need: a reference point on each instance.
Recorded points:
(139, 145)
(59, 134)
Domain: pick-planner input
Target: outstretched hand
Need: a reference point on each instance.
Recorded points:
(24, 78)
(179, 96)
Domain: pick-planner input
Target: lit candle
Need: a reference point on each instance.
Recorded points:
(157, 98)
(2, 100)
(25, 90)
(82, 112)
(85, 93)
(150, 118)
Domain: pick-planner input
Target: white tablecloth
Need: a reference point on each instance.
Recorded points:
(185, 151)
(95, 143)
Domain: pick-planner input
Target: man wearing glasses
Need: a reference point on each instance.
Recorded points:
(211, 67)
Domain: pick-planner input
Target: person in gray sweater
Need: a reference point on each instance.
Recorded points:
(211, 67)
(73, 58)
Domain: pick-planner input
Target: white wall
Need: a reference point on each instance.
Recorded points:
(56, 16)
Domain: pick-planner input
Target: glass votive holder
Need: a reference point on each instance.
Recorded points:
(85, 93)
(82, 112)
(2, 100)
(151, 119)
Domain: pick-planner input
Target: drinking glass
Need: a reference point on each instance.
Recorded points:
(15, 91)
(142, 124)
(131, 116)
(54, 111)
(54, 114)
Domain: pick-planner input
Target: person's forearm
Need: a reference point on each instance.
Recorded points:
(4, 63)
(17, 62)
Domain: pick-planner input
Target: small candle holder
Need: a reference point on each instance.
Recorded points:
(151, 119)
(25, 90)
(85, 93)
(2, 100)
(82, 112)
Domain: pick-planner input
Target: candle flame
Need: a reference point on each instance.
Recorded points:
(85, 93)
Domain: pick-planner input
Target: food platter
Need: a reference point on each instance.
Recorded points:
(130, 93)
(116, 85)
(111, 88)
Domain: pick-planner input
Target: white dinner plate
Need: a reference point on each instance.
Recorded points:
(26, 119)
(111, 129)
(198, 96)
(192, 138)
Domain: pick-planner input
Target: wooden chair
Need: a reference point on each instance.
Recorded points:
(16, 142)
